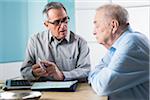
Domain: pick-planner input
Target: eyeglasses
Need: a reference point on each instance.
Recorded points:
(59, 21)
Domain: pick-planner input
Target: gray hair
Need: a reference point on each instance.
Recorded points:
(53, 5)
(115, 11)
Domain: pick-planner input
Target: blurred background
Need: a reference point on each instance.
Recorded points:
(20, 19)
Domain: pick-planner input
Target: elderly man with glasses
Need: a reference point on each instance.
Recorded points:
(57, 53)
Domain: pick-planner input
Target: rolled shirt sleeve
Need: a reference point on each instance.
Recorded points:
(26, 69)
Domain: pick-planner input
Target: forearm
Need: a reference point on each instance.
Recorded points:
(77, 73)
(26, 72)
(108, 81)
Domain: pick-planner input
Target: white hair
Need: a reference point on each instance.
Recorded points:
(114, 11)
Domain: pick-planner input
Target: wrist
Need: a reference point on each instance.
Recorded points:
(59, 75)
(62, 77)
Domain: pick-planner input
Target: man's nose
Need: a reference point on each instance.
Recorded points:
(94, 32)
(63, 25)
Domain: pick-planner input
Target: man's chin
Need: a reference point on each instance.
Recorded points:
(62, 36)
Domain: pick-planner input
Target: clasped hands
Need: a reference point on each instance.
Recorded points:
(50, 69)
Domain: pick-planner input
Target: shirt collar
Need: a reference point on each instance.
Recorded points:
(67, 38)
(117, 42)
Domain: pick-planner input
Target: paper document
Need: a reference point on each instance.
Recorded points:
(52, 84)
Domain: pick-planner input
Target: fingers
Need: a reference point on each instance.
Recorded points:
(51, 69)
(38, 71)
(50, 66)
(35, 66)
(48, 63)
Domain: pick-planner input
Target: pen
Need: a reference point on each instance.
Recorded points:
(41, 65)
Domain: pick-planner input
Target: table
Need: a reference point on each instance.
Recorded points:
(83, 92)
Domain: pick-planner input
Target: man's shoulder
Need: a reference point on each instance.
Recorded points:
(132, 40)
(40, 35)
(76, 36)
(136, 37)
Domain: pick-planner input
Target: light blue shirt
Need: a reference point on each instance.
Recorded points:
(123, 73)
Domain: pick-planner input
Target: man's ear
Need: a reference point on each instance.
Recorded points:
(115, 25)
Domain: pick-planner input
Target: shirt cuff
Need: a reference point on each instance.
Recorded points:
(30, 75)
(67, 75)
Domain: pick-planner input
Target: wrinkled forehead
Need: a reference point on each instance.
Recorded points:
(99, 16)
(100, 13)
(56, 13)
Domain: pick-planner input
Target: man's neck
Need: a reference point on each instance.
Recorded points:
(118, 33)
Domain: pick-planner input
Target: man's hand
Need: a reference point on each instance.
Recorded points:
(52, 70)
(38, 71)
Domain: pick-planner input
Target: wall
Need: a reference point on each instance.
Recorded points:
(13, 28)
(34, 23)
(9, 70)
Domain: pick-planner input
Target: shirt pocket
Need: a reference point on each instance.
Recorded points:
(70, 64)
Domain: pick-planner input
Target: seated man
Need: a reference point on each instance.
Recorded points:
(57, 53)
(123, 73)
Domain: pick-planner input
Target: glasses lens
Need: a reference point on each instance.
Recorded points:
(58, 22)
(64, 20)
